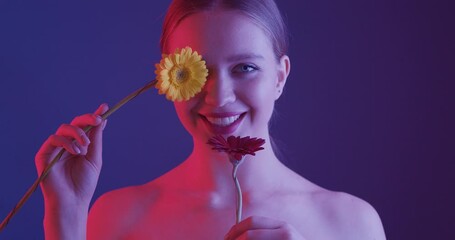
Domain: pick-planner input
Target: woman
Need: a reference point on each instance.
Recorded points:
(244, 45)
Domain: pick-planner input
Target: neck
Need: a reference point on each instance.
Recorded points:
(208, 170)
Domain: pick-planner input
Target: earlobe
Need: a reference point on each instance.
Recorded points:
(283, 73)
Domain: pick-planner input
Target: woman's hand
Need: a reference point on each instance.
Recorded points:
(72, 180)
(263, 228)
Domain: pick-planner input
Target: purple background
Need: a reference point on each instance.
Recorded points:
(368, 107)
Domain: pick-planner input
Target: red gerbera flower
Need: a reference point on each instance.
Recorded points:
(236, 147)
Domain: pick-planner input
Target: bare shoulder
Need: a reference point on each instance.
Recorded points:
(115, 212)
(323, 214)
(348, 215)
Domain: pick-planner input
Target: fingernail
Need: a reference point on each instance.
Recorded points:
(104, 124)
(103, 105)
(86, 140)
(76, 149)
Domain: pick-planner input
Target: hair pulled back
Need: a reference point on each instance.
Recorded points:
(264, 13)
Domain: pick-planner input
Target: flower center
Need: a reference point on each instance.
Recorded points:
(180, 74)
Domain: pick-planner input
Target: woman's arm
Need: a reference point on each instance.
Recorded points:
(69, 186)
(65, 222)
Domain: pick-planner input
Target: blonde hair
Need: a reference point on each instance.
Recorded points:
(264, 13)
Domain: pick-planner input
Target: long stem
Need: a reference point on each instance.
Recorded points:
(45, 172)
(238, 212)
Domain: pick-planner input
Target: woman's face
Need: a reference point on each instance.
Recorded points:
(244, 78)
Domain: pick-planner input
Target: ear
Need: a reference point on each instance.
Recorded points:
(284, 67)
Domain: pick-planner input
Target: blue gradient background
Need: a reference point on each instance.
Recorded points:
(368, 107)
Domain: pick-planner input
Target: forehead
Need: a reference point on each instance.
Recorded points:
(220, 33)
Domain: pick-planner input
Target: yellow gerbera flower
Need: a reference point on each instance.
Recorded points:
(181, 75)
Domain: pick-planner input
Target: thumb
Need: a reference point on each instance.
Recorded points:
(94, 151)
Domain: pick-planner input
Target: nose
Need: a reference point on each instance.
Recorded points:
(219, 89)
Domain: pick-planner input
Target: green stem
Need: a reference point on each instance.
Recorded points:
(238, 212)
(45, 172)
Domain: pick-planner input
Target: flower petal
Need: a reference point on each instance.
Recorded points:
(236, 147)
(185, 87)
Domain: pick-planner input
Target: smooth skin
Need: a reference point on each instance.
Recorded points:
(196, 200)
(70, 185)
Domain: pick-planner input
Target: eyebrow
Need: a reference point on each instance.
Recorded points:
(244, 56)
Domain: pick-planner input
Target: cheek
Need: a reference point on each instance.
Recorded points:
(183, 110)
(265, 103)
(260, 96)
(187, 112)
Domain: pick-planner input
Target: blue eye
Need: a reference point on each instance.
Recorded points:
(245, 68)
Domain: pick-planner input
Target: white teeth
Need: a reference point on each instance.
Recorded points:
(223, 121)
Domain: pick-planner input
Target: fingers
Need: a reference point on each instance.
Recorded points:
(103, 108)
(87, 120)
(51, 147)
(91, 119)
(256, 227)
(96, 135)
(60, 141)
(67, 133)
(74, 132)
(93, 151)
(75, 129)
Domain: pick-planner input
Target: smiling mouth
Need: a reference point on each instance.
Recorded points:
(223, 124)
